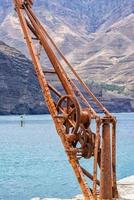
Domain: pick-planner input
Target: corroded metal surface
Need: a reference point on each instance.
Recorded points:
(72, 112)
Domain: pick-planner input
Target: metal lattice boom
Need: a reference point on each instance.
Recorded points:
(72, 111)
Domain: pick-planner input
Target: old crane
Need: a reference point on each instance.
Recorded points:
(72, 111)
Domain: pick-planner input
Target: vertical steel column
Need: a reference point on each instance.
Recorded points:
(114, 184)
(106, 172)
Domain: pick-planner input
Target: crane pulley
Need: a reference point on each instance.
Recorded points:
(72, 112)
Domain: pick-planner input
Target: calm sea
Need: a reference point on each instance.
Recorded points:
(33, 162)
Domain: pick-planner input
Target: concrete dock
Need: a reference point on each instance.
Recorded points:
(126, 188)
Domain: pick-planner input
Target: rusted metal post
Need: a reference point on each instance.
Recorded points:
(97, 144)
(106, 174)
(114, 184)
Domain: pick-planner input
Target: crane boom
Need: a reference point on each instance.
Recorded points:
(72, 111)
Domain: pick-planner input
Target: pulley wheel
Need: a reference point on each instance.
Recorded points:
(69, 109)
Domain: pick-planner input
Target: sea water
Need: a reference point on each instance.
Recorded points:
(33, 162)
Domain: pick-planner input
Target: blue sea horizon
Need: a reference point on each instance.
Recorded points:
(33, 162)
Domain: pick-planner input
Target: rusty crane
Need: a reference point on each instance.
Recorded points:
(72, 111)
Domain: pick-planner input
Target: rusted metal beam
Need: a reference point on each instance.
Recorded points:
(114, 183)
(54, 90)
(106, 174)
(90, 176)
(49, 71)
(96, 150)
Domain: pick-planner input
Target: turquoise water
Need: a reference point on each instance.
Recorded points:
(33, 162)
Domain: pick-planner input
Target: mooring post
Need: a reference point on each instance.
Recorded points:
(106, 167)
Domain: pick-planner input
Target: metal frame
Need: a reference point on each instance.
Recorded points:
(72, 120)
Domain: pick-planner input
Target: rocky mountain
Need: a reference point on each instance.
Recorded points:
(112, 52)
(95, 35)
(19, 89)
(21, 94)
